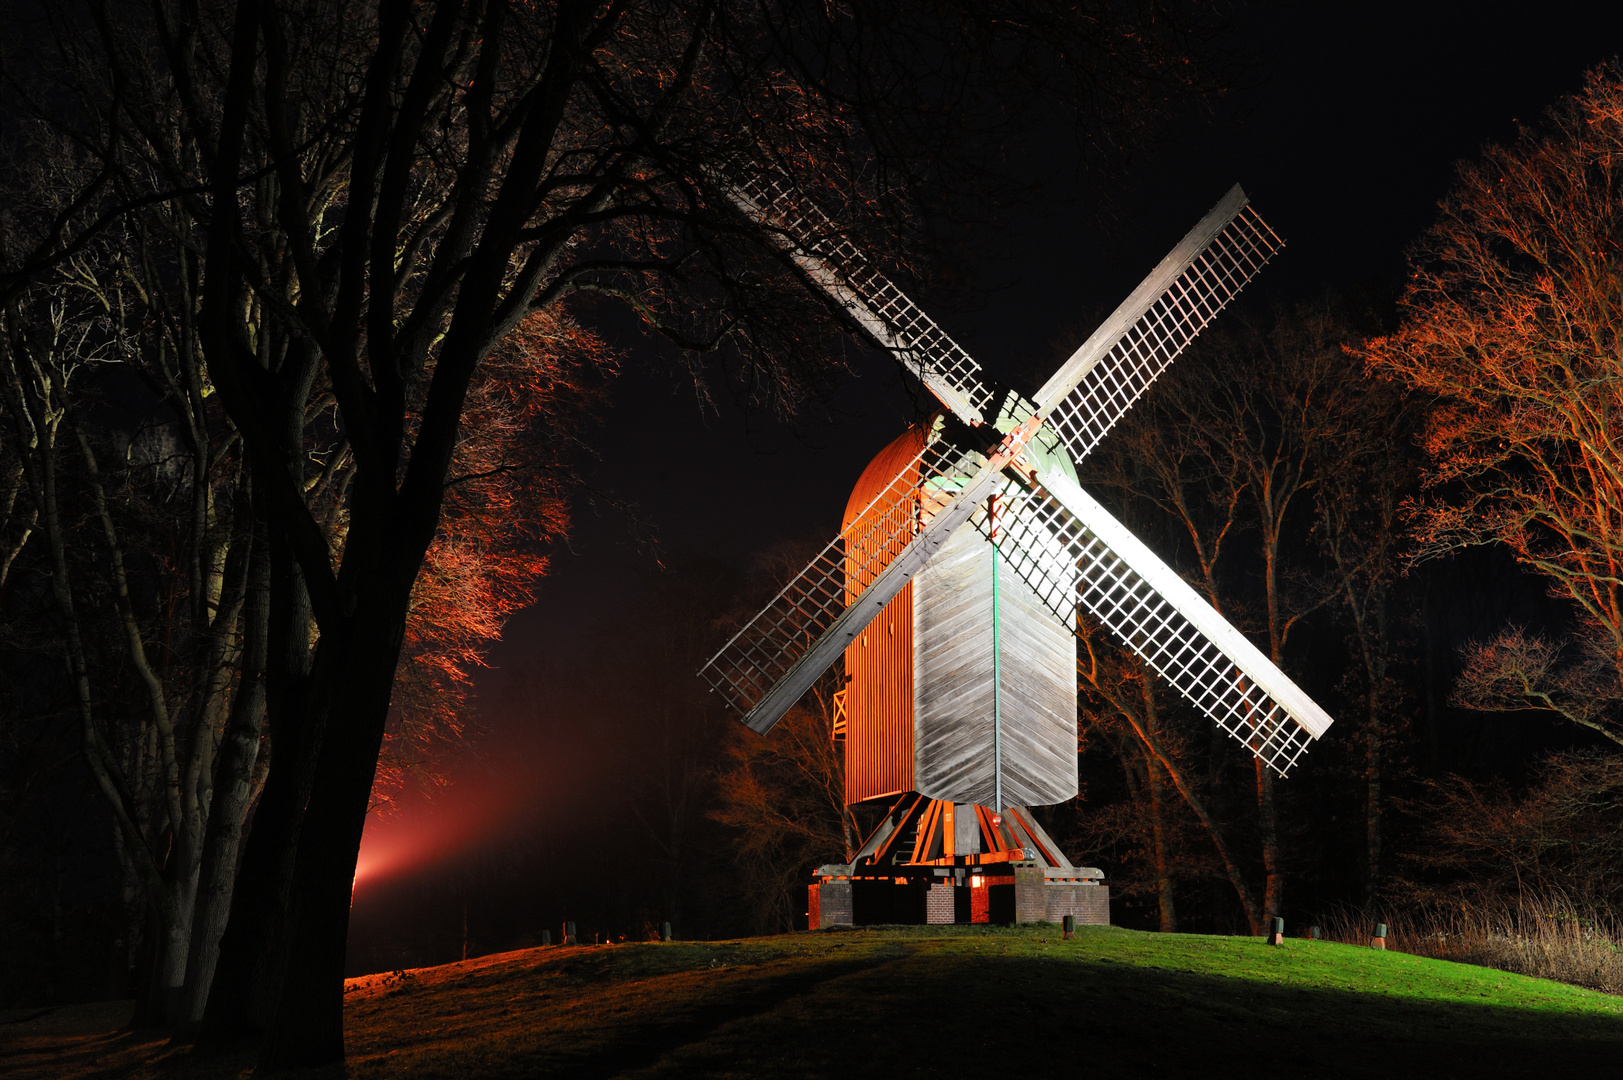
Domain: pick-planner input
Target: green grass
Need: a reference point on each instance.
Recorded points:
(914, 1001)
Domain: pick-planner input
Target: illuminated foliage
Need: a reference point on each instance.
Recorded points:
(1513, 319)
(507, 498)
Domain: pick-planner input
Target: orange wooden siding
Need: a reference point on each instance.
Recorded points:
(879, 705)
(879, 664)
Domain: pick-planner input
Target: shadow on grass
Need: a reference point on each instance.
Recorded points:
(892, 1004)
(915, 1011)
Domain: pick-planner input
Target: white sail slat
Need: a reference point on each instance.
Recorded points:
(1096, 386)
(872, 300)
(1072, 552)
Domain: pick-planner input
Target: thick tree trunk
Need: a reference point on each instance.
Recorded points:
(247, 976)
(175, 917)
(356, 680)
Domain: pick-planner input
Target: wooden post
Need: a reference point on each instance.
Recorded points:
(1277, 934)
(1379, 940)
(1070, 927)
(569, 932)
(664, 931)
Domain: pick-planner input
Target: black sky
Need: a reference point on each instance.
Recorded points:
(1345, 142)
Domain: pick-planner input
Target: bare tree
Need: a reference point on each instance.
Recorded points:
(1369, 471)
(178, 770)
(1511, 320)
(1130, 695)
(784, 798)
(392, 190)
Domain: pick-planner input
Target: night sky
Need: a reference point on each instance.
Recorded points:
(1345, 136)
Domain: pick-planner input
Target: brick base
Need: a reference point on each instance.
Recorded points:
(1022, 894)
(1088, 902)
(829, 905)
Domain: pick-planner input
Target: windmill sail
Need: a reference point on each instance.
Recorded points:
(883, 311)
(1066, 546)
(1112, 369)
(1060, 541)
(765, 667)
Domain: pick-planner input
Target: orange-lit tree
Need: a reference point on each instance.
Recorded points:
(1512, 318)
(783, 796)
(392, 190)
(162, 617)
(512, 476)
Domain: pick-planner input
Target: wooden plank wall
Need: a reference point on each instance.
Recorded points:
(879, 705)
(952, 684)
(1039, 698)
(952, 672)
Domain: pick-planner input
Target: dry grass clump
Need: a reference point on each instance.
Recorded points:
(1547, 937)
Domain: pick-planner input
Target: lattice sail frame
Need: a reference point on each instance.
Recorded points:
(764, 649)
(1055, 535)
(846, 273)
(1083, 415)
(1122, 583)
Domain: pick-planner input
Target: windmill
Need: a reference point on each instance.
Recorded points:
(969, 552)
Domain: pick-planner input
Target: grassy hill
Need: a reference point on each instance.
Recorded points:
(916, 1001)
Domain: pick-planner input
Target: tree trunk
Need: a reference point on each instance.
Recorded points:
(1248, 903)
(1268, 824)
(1267, 812)
(242, 998)
(1163, 862)
(354, 683)
(233, 787)
(1372, 810)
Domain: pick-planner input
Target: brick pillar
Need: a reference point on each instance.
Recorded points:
(1061, 899)
(833, 903)
(938, 903)
(1030, 896)
(1093, 904)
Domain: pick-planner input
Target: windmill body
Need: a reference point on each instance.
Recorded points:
(963, 689)
(968, 554)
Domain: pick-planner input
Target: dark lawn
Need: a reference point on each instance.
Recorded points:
(911, 1001)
